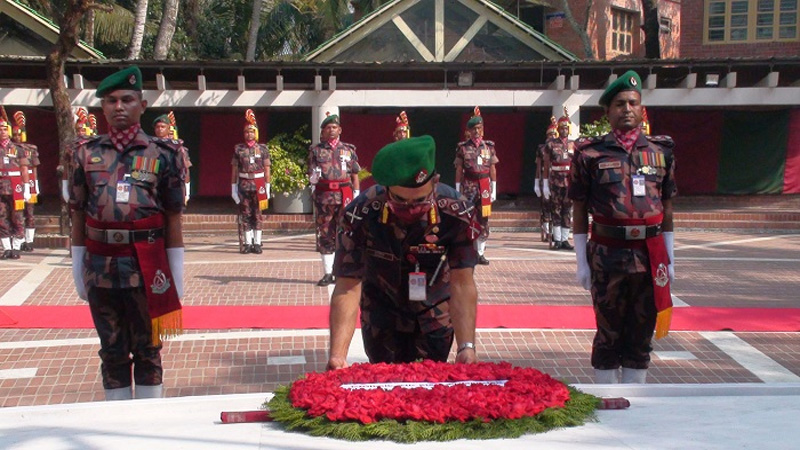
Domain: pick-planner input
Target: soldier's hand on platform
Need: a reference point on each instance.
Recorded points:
(546, 189)
(26, 192)
(494, 191)
(583, 275)
(235, 193)
(536, 188)
(467, 356)
(77, 271)
(336, 363)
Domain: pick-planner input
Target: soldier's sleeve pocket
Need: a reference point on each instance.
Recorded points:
(610, 176)
(96, 174)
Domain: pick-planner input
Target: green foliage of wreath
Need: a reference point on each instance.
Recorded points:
(579, 409)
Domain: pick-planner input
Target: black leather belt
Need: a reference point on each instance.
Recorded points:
(626, 232)
(118, 236)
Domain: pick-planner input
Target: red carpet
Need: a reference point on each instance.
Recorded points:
(489, 316)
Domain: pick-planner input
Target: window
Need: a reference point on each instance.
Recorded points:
(735, 21)
(622, 31)
(665, 25)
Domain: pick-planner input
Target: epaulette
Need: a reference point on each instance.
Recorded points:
(83, 140)
(491, 143)
(349, 146)
(584, 141)
(170, 144)
(664, 140)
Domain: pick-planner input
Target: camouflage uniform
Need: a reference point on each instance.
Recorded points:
(476, 163)
(334, 165)
(544, 203)
(116, 288)
(182, 150)
(622, 287)
(560, 153)
(11, 220)
(382, 252)
(250, 161)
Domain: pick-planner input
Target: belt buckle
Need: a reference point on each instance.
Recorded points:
(118, 236)
(334, 185)
(635, 232)
(151, 236)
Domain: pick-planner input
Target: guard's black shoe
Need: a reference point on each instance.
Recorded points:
(247, 248)
(257, 249)
(326, 280)
(6, 254)
(483, 261)
(14, 254)
(565, 245)
(556, 245)
(27, 247)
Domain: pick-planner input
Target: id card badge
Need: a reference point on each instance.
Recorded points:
(416, 286)
(638, 185)
(252, 160)
(344, 163)
(480, 160)
(123, 192)
(6, 160)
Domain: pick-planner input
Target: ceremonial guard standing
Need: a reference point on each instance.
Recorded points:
(333, 172)
(476, 176)
(250, 183)
(166, 127)
(406, 259)
(626, 180)
(545, 220)
(556, 162)
(14, 190)
(20, 137)
(85, 127)
(126, 198)
(402, 130)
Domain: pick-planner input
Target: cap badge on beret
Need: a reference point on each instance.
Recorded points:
(132, 80)
(421, 176)
(633, 81)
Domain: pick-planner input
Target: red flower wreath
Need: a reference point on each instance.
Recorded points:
(526, 393)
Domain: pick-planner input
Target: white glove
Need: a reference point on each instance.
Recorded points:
(269, 191)
(235, 193)
(546, 189)
(669, 241)
(26, 192)
(494, 191)
(536, 188)
(458, 187)
(356, 192)
(65, 190)
(584, 274)
(175, 258)
(77, 271)
(36, 184)
(188, 187)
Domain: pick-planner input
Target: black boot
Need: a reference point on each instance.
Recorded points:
(257, 249)
(326, 280)
(556, 245)
(14, 254)
(6, 254)
(247, 248)
(26, 247)
(565, 245)
(483, 261)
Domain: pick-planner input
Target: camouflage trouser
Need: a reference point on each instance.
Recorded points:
(389, 338)
(626, 317)
(560, 207)
(123, 325)
(327, 220)
(249, 212)
(546, 207)
(29, 222)
(11, 221)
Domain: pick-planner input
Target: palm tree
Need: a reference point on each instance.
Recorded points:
(252, 35)
(137, 37)
(169, 19)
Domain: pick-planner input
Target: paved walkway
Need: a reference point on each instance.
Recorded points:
(53, 366)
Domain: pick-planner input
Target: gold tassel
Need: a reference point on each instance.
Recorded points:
(34, 198)
(167, 326)
(486, 210)
(385, 214)
(19, 205)
(663, 320)
(263, 204)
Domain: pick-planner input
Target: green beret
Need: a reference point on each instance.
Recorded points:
(162, 118)
(408, 163)
(629, 81)
(474, 121)
(128, 79)
(333, 118)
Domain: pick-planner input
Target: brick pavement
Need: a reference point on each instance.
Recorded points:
(714, 269)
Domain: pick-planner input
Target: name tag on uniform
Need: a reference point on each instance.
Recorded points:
(610, 165)
(480, 160)
(123, 192)
(343, 160)
(252, 160)
(416, 286)
(6, 160)
(638, 185)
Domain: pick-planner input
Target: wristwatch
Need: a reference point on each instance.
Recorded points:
(465, 346)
